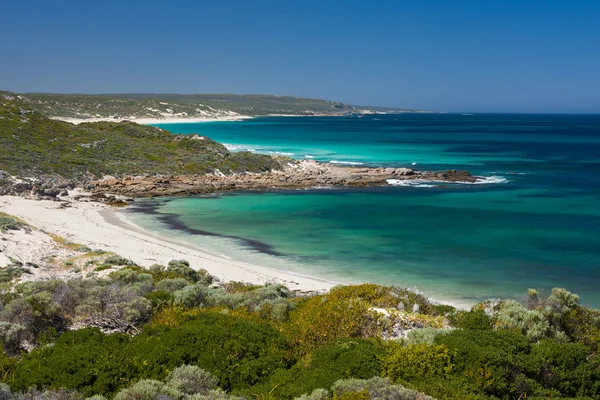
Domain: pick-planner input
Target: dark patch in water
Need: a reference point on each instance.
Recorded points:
(172, 221)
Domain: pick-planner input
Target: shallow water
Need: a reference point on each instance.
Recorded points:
(537, 226)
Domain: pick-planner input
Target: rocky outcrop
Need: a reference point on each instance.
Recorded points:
(304, 174)
(41, 188)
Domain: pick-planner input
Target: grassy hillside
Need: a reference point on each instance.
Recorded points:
(185, 106)
(32, 144)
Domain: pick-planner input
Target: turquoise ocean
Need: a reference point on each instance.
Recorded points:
(534, 222)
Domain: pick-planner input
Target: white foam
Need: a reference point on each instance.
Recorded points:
(432, 183)
(410, 182)
(345, 162)
(232, 146)
(488, 180)
(309, 156)
(282, 153)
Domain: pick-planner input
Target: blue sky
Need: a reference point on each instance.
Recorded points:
(498, 56)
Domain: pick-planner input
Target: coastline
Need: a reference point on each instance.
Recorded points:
(156, 121)
(99, 226)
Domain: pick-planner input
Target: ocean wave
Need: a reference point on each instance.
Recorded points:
(433, 183)
(282, 153)
(345, 162)
(488, 180)
(410, 183)
(233, 147)
(309, 156)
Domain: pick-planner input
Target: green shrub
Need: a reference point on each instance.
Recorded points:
(13, 337)
(424, 336)
(190, 379)
(385, 296)
(171, 284)
(117, 260)
(321, 319)
(149, 390)
(237, 352)
(8, 223)
(342, 359)
(473, 320)
(317, 394)
(375, 388)
(160, 299)
(193, 296)
(416, 362)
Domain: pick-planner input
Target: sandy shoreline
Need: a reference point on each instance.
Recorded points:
(99, 227)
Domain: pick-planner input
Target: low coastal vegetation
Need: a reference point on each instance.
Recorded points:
(166, 106)
(171, 332)
(32, 145)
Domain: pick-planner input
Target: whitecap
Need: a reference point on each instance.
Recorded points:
(345, 162)
(309, 156)
(432, 183)
(489, 179)
(410, 182)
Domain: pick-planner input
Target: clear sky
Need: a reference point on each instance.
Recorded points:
(450, 55)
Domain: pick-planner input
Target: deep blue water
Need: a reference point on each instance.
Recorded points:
(537, 224)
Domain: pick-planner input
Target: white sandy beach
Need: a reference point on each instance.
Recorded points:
(99, 227)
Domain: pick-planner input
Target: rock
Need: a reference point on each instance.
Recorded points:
(404, 171)
(415, 308)
(52, 192)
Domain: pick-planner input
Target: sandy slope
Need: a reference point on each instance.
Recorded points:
(99, 227)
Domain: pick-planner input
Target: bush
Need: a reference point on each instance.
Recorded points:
(473, 320)
(317, 394)
(117, 260)
(385, 296)
(8, 223)
(375, 388)
(149, 390)
(192, 296)
(322, 319)
(424, 336)
(416, 362)
(171, 284)
(513, 315)
(190, 379)
(5, 393)
(237, 352)
(342, 359)
(13, 337)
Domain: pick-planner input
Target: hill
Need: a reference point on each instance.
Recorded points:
(192, 106)
(32, 144)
